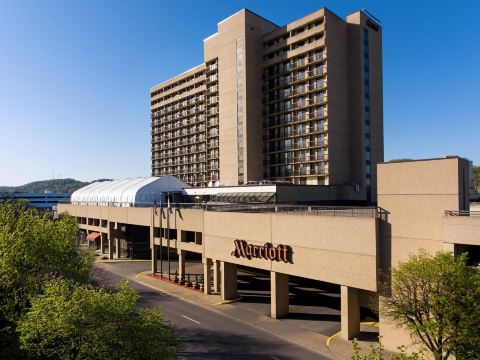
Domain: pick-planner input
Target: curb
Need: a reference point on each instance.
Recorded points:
(213, 307)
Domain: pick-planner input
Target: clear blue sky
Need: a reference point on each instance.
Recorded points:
(74, 77)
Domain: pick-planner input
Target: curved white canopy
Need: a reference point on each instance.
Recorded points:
(129, 192)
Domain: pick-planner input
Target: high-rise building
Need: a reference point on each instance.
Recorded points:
(300, 103)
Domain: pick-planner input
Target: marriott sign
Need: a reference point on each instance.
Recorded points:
(267, 251)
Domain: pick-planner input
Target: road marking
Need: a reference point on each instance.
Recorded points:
(143, 273)
(369, 323)
(195, 321)
(274, 358)
(331, 337)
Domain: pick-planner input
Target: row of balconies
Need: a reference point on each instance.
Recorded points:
(299, 99)
(185, 150)
(177, 162)
(212, 78)
(212, 122)
(297, 160)
(297, 145)
(212, 67)
(299, 90)
(175, 123)
(179, 173)
(179, 114)
(179, 143)
(176, 135)
(183, 130)
(177, 106)
(297, 63)
(300, 115)
(177, 150)
(280, 172)
(286, 133)
(212, 89)
(295, 79)
(212, 111)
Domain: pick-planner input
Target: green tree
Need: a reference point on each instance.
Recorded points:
(73, 321)
(377, 353)
(476, 177)
(437, 298)
(35, 248)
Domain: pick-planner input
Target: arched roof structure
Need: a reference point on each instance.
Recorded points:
(127, 193)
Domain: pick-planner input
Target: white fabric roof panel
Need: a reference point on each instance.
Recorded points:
(126, 193)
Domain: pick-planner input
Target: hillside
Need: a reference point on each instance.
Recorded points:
(54, 186)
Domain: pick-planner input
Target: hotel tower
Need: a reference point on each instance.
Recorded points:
(299, 103)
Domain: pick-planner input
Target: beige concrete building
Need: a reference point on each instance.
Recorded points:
(419, 207)
(300, 103)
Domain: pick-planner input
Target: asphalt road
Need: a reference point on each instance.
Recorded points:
(206, 334)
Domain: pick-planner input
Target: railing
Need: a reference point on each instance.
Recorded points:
(461, 213)
(250, 208)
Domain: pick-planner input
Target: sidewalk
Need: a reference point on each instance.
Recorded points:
(337, 348)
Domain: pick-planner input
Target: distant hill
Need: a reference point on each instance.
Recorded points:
(54, 186)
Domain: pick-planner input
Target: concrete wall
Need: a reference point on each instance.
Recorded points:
(463, 230)
(336, 249)
(415, 196)
(239, 95)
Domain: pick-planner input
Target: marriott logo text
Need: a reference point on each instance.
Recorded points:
(267, 251)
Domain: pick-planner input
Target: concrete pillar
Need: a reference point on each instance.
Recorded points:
(279, 294)
(216, 276)
(181, 262)
(117, 248)
(110, 240)
(101, 243)
(154, 258)
(207, 277)
(229, 280)
(350, 313)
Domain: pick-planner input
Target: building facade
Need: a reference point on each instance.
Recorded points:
(42, 201)
(300, 103)
(419, 203)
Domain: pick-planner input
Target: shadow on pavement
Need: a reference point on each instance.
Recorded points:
(239, 346)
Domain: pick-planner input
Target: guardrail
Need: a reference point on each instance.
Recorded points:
(351, 211)
(461, 213)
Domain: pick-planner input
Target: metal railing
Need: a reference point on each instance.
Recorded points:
(461, 213)
(349, 211)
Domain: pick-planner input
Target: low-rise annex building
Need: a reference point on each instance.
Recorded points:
(419, 203)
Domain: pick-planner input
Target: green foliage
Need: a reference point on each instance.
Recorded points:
(399, 160)
(437, 298)
(476, 177)
(49, 311)
(34, 248)
(377, 353)
(84, 322)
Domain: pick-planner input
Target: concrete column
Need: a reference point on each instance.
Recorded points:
(181, 262)
(229, 280)
(154, 258)
(350, 313)
(101, 243)
(216, 276)
(110, 241)
(207, 277)
(279, 294)
(117, 248)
